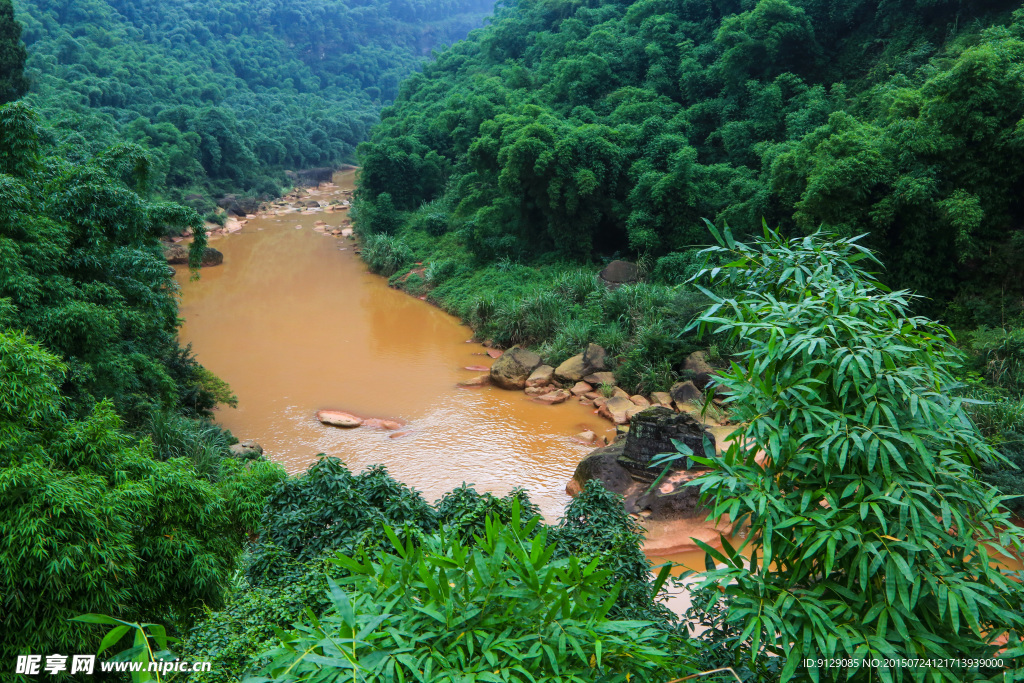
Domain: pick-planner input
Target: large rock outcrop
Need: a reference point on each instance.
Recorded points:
(239, 206)
(310, 177)
(624, 466)
(514, 367)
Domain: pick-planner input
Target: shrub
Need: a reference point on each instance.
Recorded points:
(439, 271)
(201, 442)
(1000, 354)
(527, 320)
(507, 608)
(329, 508)
(677, 267)
(576, 285)
(386, 254)
(867, 523)
(217, 218)
(91, 521)
(568, 341)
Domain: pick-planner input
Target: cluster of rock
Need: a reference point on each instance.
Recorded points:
(624, 466)
(585, 377)
(669, 508)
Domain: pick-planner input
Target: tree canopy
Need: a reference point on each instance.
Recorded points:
(226, 94)
(589, 129)
(13, 83)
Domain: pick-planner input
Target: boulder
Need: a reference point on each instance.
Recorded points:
(662, 398)
(620, 393)
(336, 418)
(541, 377)
(477, 381)
(624, 467)
(514, 367)
(177, 254)
(594, 357)
(554, 397)
(598, 378)
(701, 370)
(685, 392)
(616, 409)
(311, 177)
(246, 450)
(618, 273)
(640, 401)
(380, 423)
(239, 206)
(603, 466)
(587, 437)
(581, 389)
(211, 257)
(579, 366)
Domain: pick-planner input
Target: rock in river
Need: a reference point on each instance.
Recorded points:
(336, 418)
(177, 254)
(246, 450)
(512, 369)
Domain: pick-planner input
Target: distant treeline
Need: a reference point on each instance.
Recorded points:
(225, 94)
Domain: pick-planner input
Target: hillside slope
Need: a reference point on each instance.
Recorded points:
(578, 130)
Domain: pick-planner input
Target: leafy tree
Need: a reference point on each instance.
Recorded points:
(90, 521)
(227, 95)
(315, 521)
(13, 82)
(86, 274)
(871, 537)
(500, 609)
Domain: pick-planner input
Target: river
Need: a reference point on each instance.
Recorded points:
(295, 323)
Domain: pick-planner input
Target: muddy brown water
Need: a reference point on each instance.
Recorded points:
(295, 323)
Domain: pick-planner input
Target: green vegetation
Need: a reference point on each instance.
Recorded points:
(554, 306)
(94, 521)
(560, 137)
(224, 95)
(566, 134)
(471, 564)
(115, 495)
(13, 83)
(867, 524)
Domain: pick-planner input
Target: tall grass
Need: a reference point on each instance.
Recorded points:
(203, 443)
(386, 254)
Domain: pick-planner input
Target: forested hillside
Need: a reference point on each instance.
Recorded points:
(226, 94)
(578, 130)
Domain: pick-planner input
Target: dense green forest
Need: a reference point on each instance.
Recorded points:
(508, 171)
(581, 130)
(225, 95)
